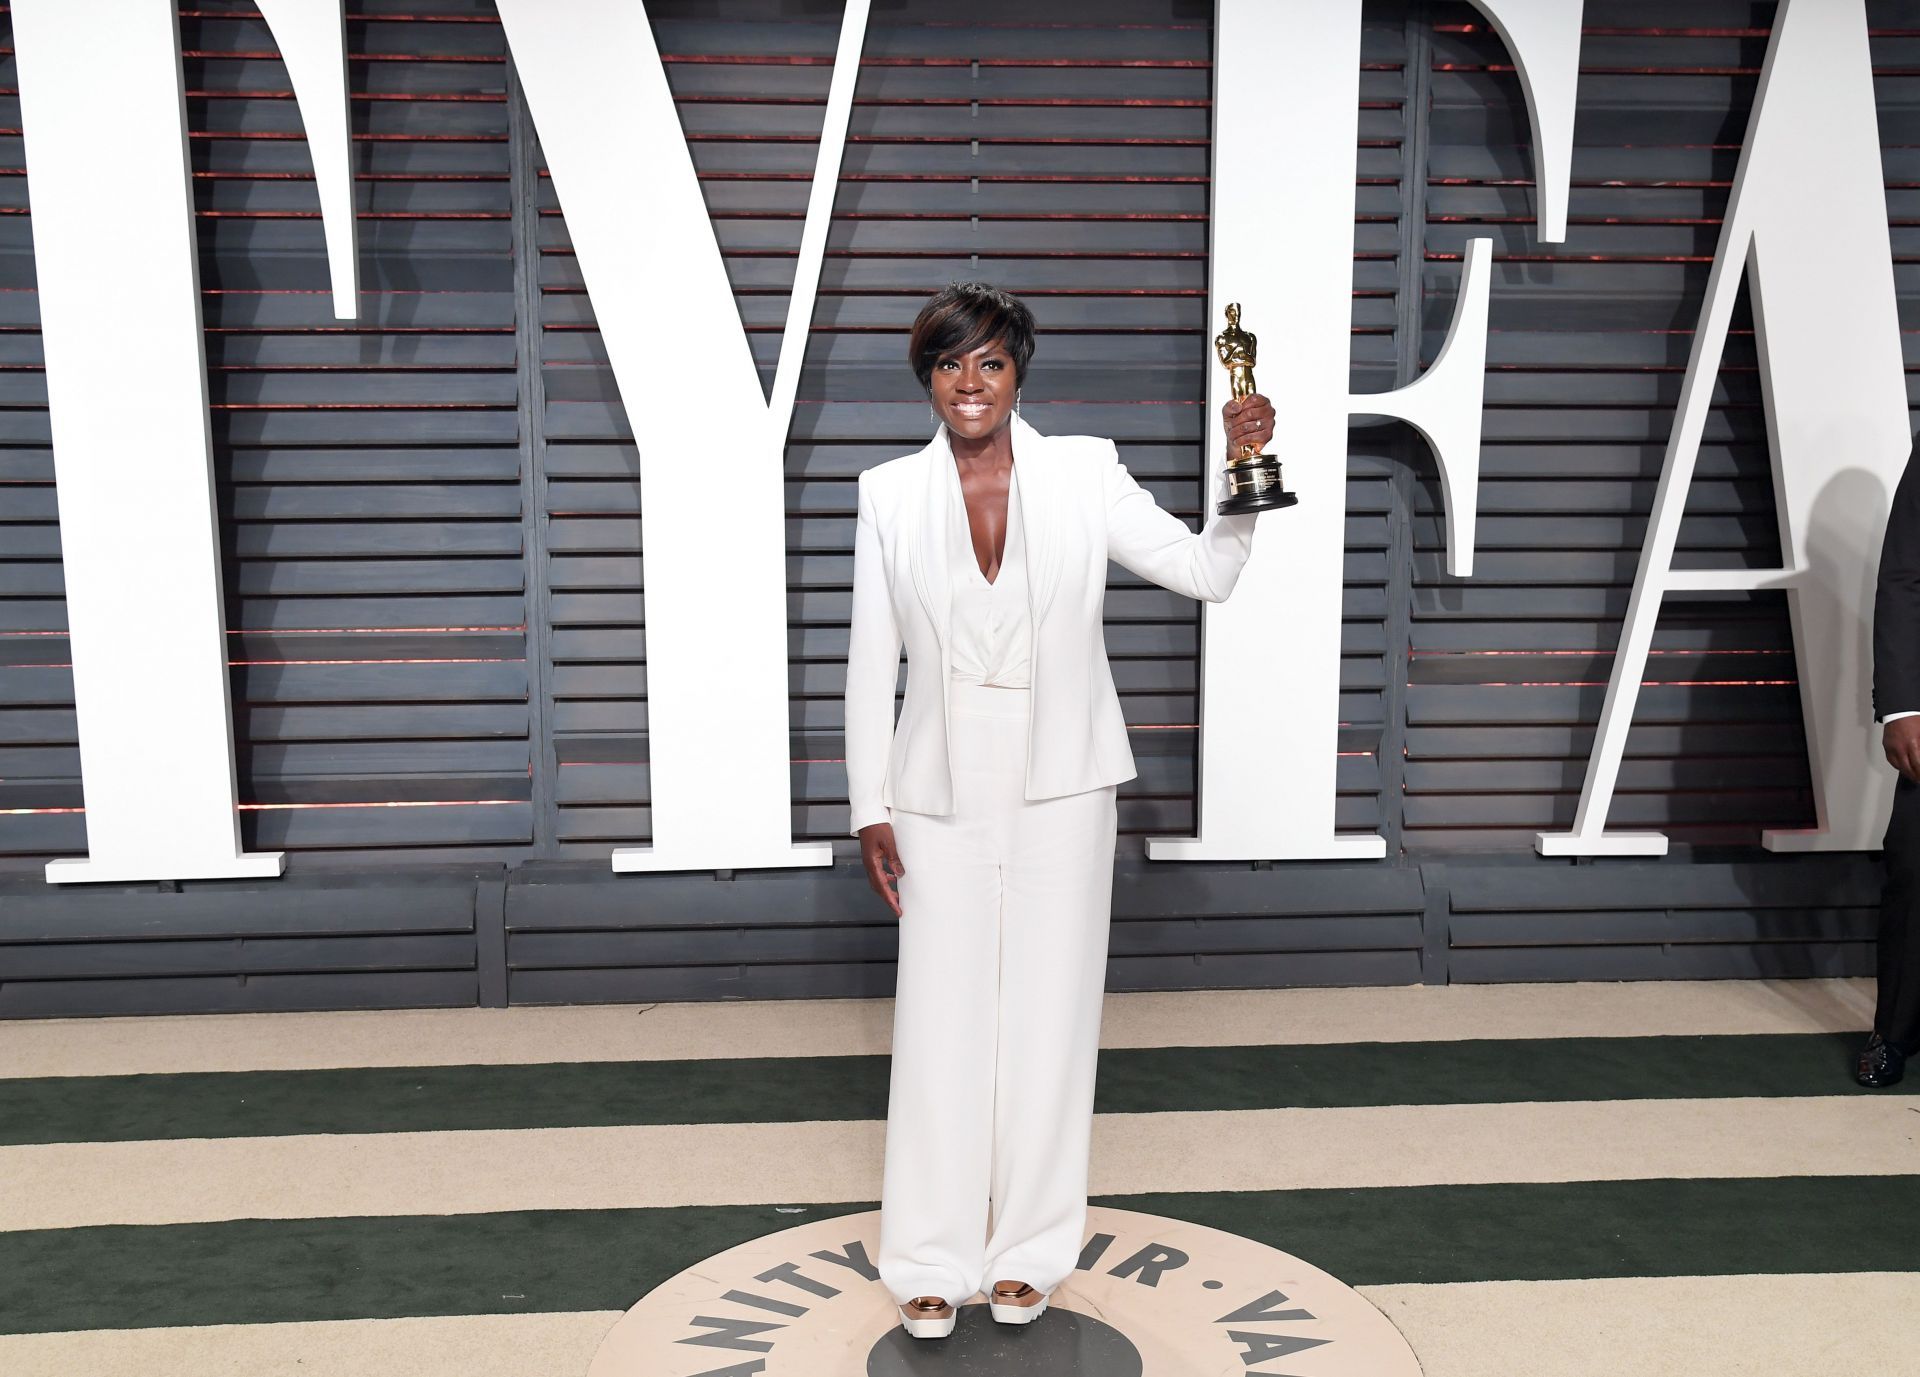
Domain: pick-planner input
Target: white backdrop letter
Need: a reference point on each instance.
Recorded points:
(1284, 165)
(104, 121)
(712, 498)
(1807, 223)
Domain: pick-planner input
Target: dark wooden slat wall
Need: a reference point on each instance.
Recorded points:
(432, 534)
(369, 472)
(1587, 353)
(39, 751)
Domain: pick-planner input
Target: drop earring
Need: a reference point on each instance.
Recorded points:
(1016, 401)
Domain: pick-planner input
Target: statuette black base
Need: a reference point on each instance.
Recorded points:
(1257, 502)
(1253, 485)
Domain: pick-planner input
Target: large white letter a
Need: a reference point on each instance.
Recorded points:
(1808, 224)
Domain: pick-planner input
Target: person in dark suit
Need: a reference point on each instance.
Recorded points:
(1896, 705)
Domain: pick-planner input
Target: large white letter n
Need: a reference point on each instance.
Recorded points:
(712, 516)
(1808, 224)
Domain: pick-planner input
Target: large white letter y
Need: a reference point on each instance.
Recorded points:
(712, 519)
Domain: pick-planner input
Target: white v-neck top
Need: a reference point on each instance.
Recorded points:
(992, 622)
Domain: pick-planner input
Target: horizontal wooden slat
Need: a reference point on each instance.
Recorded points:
(1679, 961)
(262, 956)
(234, 994)
(1781, 883)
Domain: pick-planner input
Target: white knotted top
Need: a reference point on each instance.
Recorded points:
(992, 622)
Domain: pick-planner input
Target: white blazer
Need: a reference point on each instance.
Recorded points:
(1079, 507)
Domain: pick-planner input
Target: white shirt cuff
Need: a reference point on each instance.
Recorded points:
(1896, 716)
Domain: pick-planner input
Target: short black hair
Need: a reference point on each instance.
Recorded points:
(962, 317)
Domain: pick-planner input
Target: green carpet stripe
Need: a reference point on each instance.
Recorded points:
(267, 1271)
(797, 1089)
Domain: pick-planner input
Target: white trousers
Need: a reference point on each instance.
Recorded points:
(1003, 948)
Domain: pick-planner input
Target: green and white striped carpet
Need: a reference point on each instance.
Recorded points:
(1529, 1180)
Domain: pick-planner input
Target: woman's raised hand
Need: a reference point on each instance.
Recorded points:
(882, 860)
(1248, 421)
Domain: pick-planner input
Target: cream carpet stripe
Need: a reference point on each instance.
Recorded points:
(455, 1346)
(1853, 1325)
(841, 1027)
(188, 1180)
(1856, 1325)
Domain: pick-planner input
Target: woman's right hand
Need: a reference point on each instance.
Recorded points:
(882, 860)
(1248, 420)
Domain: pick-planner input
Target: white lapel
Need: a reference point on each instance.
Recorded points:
(1038, 510)
(927, 545)
(927, 549)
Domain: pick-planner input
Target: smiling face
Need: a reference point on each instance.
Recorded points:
(973, 392)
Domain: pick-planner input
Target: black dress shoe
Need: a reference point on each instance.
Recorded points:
(1880, 1064)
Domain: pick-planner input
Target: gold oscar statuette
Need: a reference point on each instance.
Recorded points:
(1253, 478)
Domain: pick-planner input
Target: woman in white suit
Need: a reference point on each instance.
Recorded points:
(986, 816)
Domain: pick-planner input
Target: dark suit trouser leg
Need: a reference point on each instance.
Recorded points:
(1897, 1013)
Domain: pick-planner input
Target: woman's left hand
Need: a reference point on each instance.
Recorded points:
(1248, 421)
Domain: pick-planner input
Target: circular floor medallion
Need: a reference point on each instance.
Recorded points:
(1153, 1297)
